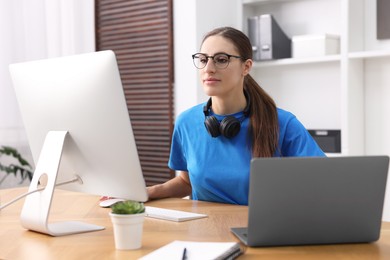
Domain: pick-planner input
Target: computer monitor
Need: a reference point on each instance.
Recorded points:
(77, 123)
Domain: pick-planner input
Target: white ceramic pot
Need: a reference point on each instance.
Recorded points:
(128, 230)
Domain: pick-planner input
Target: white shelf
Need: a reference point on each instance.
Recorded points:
(297, 61)
(259, 2)
(322, 59)
(369, 54)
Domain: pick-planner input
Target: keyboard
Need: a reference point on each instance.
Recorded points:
(170, 214)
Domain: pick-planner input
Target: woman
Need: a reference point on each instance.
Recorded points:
(213, 143)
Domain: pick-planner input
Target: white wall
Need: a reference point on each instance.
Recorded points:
(192, 20)
(37, 29)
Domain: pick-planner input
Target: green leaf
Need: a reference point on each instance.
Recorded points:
(23, 170)
(128, 207)
(7, 150)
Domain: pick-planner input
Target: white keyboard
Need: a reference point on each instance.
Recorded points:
(172, 215)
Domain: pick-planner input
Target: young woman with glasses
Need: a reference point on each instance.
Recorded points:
(213, 143)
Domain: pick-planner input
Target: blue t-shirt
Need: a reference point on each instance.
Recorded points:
(219, 167)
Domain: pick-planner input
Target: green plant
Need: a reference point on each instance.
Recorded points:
(128, 207)
(24, 169)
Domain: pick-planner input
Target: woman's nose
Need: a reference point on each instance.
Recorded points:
(210, 65)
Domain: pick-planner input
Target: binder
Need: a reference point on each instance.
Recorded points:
(254, 36)
(382, 19)
(268, 39)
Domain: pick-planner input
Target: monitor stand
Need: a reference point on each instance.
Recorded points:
(36, 208)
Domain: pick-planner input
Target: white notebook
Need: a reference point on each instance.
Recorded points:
(170, 214)
(196, 250)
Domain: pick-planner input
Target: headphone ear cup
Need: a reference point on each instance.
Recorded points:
(212, 125)
(230, 126)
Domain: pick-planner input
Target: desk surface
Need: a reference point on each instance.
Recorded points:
(18, 243)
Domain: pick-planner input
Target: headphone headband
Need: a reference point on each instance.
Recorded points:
(229, 126)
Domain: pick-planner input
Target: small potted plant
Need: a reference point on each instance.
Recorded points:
(127, 218)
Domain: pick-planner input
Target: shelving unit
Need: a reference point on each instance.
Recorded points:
(309, 87)
(327, 92)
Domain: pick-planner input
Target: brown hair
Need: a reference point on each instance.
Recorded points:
(264, 126)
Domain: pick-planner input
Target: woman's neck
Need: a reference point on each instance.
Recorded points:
(228, 104)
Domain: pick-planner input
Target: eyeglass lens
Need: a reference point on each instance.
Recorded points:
(221, 60)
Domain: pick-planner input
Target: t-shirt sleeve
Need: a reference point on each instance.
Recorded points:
(296, 140)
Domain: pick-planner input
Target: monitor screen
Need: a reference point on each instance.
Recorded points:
(83, 95)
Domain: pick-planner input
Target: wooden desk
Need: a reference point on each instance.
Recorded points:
(18, 243)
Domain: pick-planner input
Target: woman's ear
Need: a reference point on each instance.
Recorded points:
(247, 67)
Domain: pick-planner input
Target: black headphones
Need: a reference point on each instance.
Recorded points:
(229, 126)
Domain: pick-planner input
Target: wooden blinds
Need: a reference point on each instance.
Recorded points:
(140, 33)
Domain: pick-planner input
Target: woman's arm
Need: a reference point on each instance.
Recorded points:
(177, 187)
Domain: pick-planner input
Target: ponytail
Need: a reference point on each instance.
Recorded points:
(264, 127)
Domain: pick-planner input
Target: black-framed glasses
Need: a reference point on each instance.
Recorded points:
(221, 60)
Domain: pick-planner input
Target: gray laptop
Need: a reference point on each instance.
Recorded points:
(312, 200)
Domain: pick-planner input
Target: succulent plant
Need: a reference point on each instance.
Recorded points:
(128, 207)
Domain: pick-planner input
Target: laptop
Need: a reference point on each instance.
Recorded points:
(315, 200)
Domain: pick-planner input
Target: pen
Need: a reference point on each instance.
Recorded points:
(184, 257)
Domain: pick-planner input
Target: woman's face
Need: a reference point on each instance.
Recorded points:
(220, 82)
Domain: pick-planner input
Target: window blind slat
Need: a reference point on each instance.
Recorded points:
(140, 34)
